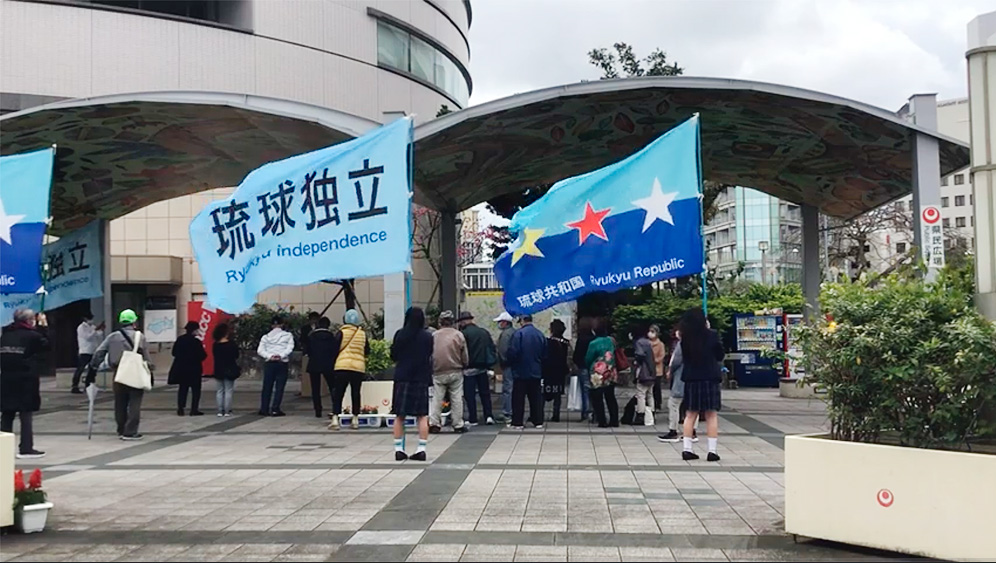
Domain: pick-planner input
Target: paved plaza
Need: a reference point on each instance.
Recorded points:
(248, 488)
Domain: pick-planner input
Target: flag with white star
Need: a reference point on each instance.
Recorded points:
(631, 223)
(25, 184)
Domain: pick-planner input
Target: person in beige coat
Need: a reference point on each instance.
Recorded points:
(449, 359)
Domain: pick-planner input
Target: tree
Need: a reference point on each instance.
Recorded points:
(849, 244)
(625, 61)
(427, 245)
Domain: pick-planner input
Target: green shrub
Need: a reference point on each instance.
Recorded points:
(904, 360)
(379, 359)
(250, 327)
(665, 309)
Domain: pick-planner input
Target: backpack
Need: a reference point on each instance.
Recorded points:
(629, 412)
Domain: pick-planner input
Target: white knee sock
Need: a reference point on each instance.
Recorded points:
(421, 445)
(712, 444)
(399, 444)
(688, 443)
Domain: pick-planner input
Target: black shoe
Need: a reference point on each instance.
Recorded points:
(417, 456)
(196, 413)
(433, 430)
(318, 414)
(689, 456)
(602, 425)
(671, 436)
(263, 413)
(278, 413)
(555, 419)
(461, 430)
(76, 391)
(713, 456)
(30, 454)
(131, 437)
(400, 456)
(179, 412)
(614, 424)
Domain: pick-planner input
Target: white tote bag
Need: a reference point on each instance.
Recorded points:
(574, 394)
(132, 369)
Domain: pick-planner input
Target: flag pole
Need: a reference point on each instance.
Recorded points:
(698, 163)
(48, 223)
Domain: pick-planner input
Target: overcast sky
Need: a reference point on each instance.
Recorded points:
(874, 51)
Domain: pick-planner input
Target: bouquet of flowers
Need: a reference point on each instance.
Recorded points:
(32, 493)
(367, 409)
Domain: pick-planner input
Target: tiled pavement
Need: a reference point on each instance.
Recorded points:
(252, 489)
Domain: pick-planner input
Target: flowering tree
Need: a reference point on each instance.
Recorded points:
(427, 245)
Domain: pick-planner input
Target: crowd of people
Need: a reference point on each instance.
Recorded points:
(455, 361)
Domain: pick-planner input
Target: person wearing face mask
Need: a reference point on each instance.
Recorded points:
(660, 354)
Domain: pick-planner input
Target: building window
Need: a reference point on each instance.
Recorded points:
(401, 50)
(959, 201)
(959, 221)
(971, 199)
(900, 206)
(227, 13)
(971, 220)
(959, 179)
(900, 248)
(945, 201)
(944, 180)
(947, 222)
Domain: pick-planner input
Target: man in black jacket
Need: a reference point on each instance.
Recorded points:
(323, 349)
(483, 356)
(20, 387)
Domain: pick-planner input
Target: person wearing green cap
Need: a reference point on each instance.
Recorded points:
(127, 400)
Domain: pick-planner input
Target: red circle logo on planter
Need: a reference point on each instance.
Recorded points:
(885, 498)
(931, 215)
(385, 402)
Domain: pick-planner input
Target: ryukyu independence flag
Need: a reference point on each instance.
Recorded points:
(25, 185)
(335, 213)
(631, 223)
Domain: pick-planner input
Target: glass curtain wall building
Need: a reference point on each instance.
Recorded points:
(758, 231)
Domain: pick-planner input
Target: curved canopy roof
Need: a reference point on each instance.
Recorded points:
(802, 146)
(117, 154)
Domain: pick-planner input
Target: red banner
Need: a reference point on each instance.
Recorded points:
(207, 318)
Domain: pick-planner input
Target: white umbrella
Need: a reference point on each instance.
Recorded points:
(91, 394)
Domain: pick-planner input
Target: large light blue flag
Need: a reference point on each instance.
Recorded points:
(631, 223)
(336, 213)
(74, 267)
(25, 183)
(74, 271)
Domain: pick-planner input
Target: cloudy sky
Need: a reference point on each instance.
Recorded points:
(874, 51)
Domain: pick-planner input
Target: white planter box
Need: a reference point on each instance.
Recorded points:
(909, 500)
(32, 518)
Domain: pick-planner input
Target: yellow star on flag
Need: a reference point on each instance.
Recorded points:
(528, 246)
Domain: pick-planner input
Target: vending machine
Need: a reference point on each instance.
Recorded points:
(753, 334)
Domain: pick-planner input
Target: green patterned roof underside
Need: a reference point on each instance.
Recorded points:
(117, 154)
(121, 153)
(802, 146)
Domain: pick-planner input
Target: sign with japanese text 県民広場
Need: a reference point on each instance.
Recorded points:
(334, 213)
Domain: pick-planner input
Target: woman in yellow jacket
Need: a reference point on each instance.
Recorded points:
(350, 367)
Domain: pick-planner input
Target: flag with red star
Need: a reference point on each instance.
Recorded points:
(633, 222)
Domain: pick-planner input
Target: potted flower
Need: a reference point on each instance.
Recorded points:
(31, 505)
(909, 459)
